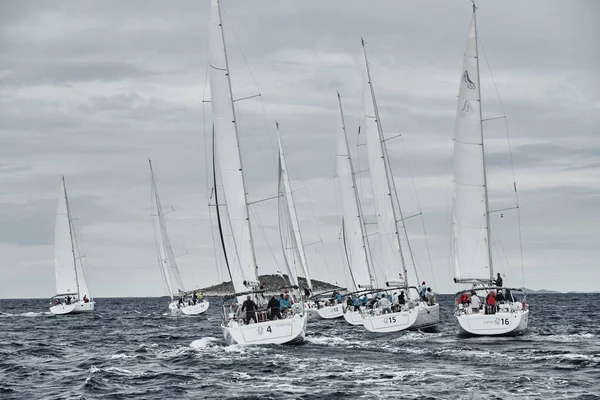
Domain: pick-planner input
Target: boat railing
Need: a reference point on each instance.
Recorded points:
(262, 314)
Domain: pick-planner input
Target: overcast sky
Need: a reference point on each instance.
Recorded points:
(92, 89)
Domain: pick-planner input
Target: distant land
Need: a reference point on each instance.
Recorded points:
(273, 282)
(541, 291)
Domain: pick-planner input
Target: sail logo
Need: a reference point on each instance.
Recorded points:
(466, 108)
(467, 80)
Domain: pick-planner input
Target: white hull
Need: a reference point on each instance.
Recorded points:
(391, 322)
(282, 331)
(353, 317)
(429, 316)
(501, 323)
(330, 312)
(196, 309)
(74, 308)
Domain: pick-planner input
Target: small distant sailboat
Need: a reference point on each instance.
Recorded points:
(388, 254)
(233, 215)
(183, 301)
(73, 295)
(354, 237)
(471, 215)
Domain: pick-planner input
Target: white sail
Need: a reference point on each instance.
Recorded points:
(386, 246)
(70, 278)
(242, 264)
(472, 259)
(164, 250)
(289, 231)
(355, 243)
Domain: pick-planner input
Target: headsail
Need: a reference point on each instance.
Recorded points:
(472, 256)
(386, 246)
(70, 278)
(289, 228)
(354, 235)
(241, 262)
(164, 250)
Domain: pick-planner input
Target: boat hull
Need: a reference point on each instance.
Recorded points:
(75, 308)
(429, 317)
(195, 309)
(330, 312)
(501, 323)
(391, 322)
(353, 317)
(282, 331)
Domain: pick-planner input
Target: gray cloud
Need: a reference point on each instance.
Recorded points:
(92, 89)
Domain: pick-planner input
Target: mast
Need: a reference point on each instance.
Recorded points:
(471, 216)
(365, 243)
(389, 178)
(71, 234)
(288, 199)
(243, 264)
(487, 205)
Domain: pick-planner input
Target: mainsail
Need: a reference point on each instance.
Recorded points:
(289, 228)
(354, 235)
(164, 250)
(386, 246)
(241, 261)
(472, 254)
(70, 278)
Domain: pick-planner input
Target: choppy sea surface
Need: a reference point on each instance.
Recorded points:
(134, 349)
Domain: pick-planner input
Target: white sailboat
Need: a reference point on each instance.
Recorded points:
(471, 214)
(387, 248)
(73, 295)
(233, 213)
(186, 302)
(354, 238)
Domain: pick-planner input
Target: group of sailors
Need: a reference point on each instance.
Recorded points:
(70, 299)
(195, 299)
(387, 303)
(278, 307)
(470, 301)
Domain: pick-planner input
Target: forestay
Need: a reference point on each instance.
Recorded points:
(355, 243)
(386, 245)
(289, 228)
(241, 262)
(472, 260)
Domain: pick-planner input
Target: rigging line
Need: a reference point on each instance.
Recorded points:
(510, 153)
(502, 252)
(264, 111)
(262, 230)
(416, 195)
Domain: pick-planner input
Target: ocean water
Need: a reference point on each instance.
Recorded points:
(135, 349)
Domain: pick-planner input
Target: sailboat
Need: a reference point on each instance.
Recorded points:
(354, 238)
(387, 248)
(471, 215)
(233, 217)
(73, 295)
(186, 302)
